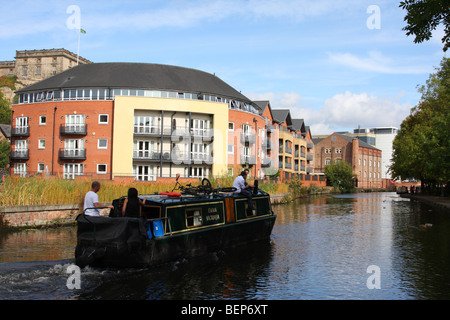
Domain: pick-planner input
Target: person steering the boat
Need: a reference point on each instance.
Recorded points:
(91, 202)
(242, 187)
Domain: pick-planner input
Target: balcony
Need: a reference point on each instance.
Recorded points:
(72, 154)
(248, 160)
(203, 134)
(267, 144)
(270, 128)
(266, 163)
(20, 131)
(175, 133)
(20, 155)
(248, 138)
(80, 130)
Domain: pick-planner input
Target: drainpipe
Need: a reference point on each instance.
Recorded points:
(53, 140)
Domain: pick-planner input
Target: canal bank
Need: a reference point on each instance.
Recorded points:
(441, 203)
(42, 216)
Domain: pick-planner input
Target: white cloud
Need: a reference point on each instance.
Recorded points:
(283, 100)
(342, 112)
(377, 62)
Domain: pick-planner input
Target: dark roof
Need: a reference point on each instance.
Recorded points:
(282, 115)
(349, 139)
(138, 76)
(298, 125)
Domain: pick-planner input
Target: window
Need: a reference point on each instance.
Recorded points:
(230, 172)
(199, 151)
(338, 151)
(231, 126)
(193, 218)
(71, 170)
(20, 169)
(38, 70)
(198, 172)
(41, 144)
(101, 168)
(103, 119)
(327, 161)
(102, 144)
(143, 149)
(73, 147)
(145, 124)
(230, 149)
(143, 173)
(41, 167)
(25, 71)
(75, 123)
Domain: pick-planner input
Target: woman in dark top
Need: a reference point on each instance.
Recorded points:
(132, 204)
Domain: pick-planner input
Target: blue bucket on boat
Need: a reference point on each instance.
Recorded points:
(158, 230)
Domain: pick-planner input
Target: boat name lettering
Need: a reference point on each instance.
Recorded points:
(213, 217)
(212, 210)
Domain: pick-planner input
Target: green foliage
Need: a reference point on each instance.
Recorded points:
(5, 110)
(423, 16)
(9, 82)
(340, 175)
(421, 149)
(4, 154)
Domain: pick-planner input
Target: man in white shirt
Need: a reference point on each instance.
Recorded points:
(91, 201)
(243, 188)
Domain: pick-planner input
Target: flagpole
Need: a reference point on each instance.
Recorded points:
(78, 52)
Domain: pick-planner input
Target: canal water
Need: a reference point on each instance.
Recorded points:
(372, 246)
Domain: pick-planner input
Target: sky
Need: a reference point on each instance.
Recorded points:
(338, 65)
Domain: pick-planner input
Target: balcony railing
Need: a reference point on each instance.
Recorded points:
(266, 163)
(250, 160)
(20, 131)
(248, 138)
(20, 155)
(72, 154)
(267, 144)
(80, 129)
(175, 133)
(174, 156)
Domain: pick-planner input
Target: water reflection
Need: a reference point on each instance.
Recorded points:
(320, 249)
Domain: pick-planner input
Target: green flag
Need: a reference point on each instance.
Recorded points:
(82, 30)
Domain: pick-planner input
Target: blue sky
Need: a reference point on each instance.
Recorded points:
(336, 64)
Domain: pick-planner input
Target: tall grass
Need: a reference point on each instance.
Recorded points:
(16, 191)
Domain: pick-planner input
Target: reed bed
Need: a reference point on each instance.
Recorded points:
(16, 191)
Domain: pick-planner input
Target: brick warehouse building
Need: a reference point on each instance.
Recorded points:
(111, 120)
(364, 158)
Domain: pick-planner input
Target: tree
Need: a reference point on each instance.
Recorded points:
(421, 149)
(4, 154)
(423, 16)
(340, 175)
(5, 110)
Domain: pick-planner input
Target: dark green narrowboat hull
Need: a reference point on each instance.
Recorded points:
(125, 242)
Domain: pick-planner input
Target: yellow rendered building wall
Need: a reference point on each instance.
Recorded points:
(123, 131)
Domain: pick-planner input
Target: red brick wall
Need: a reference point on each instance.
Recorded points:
(54, 141)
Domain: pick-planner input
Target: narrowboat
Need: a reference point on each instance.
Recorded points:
(173, 225)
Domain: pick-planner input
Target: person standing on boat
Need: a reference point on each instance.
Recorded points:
(91, 201)
(132, 204)
(242, 187)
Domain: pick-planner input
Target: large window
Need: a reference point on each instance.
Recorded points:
(71, 170)
(145, 124)
(144, 173)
